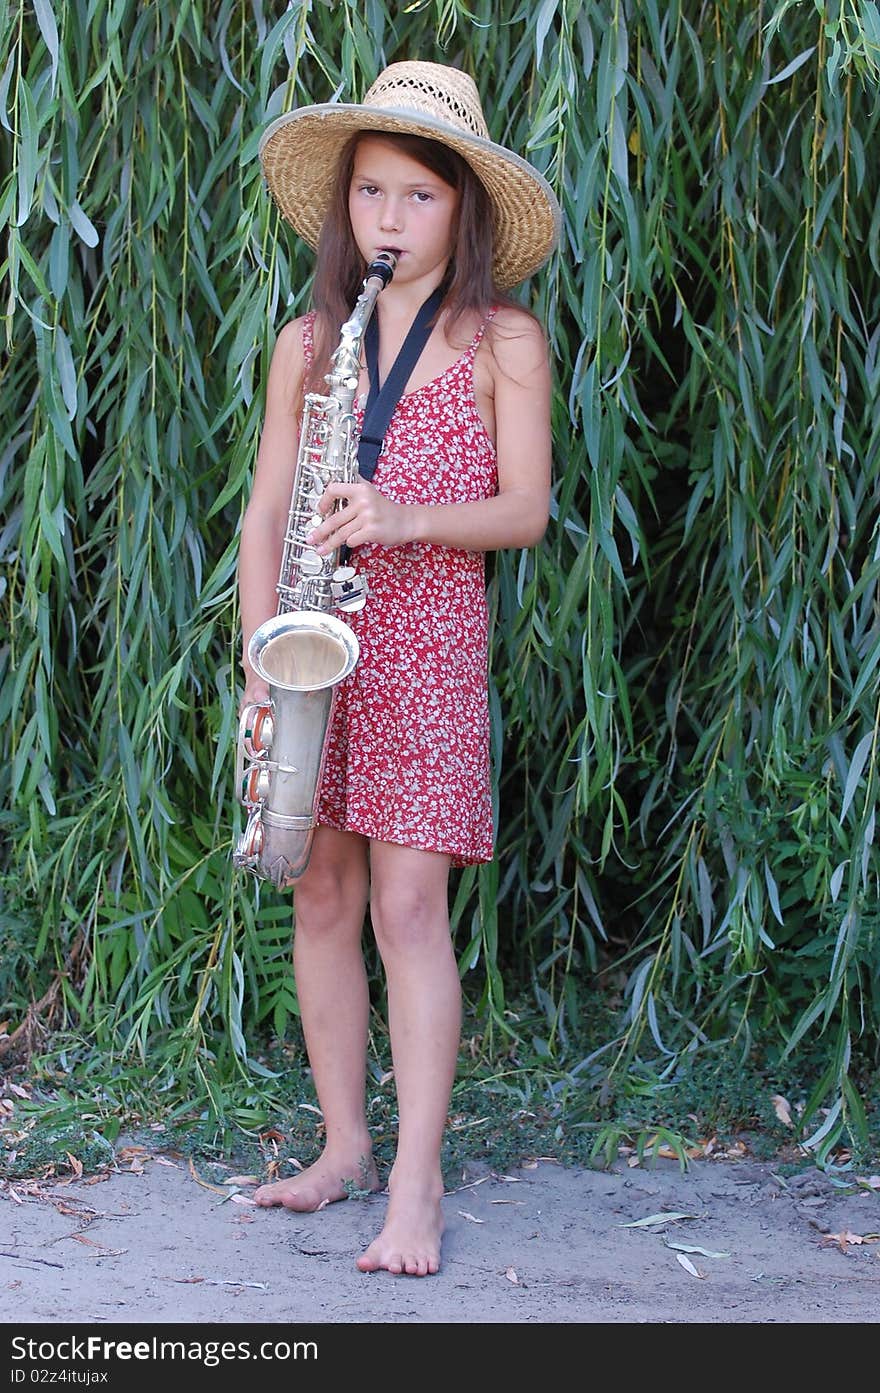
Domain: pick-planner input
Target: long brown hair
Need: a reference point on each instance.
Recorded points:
(468, 284)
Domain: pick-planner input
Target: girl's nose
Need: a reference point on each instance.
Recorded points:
(391, 216)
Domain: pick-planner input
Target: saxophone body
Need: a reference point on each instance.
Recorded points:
(305, 650)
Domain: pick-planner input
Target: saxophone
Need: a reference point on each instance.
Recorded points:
(304, 651)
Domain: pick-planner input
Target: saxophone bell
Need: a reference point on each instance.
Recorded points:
(303, 656)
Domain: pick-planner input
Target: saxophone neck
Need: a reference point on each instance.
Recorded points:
(346, 359)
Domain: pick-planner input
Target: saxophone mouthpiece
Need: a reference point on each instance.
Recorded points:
(384, 267)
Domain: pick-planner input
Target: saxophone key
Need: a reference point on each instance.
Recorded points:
(257, 730)
(349, 590)
(310, 563)
(250, 844)
(256, 785)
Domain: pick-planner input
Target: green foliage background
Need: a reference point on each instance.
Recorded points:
(685, 699)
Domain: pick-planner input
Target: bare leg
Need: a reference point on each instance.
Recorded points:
(331, 900)
(411, 920)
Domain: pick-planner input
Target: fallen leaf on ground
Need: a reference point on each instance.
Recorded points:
(689, 1266)
(70, 1209)
(870, 1182)
(468, 1185)
(693, 1248)
(464, 1214)
(103, 1251)
(782, 1109)
(75, 1165)
(845, 1238)
(131, 1153)
(242, 1199)
(733, 1152)
(231, 1282)
(218, 1189)
(651, 1219)
(164, 1161)
(242, 1180)
(511, 1276)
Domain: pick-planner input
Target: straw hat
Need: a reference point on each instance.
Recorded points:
(299, 154)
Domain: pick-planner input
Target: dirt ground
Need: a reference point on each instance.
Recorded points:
(151, 1241)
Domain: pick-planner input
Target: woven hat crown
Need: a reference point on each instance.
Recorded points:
(429, 89)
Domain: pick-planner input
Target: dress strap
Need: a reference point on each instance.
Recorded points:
(308, 337)
(478, 336)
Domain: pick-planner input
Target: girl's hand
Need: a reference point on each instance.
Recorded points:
(256, 691)
(366, 516)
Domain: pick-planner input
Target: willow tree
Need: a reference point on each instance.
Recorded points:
(685, 690)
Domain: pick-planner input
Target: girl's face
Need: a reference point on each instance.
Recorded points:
(396, 204)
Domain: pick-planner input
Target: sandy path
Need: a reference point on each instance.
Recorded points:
(546, 1244)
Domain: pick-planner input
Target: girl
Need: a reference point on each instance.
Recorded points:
(464, 469)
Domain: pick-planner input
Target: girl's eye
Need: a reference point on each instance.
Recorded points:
(369, 189)
(422, 197)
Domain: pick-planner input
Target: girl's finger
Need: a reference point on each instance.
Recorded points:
(341, 536)
(335, 491)
(327, 504)
(320, 536)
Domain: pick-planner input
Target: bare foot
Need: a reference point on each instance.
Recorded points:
(323, 1183)
(410, 1240)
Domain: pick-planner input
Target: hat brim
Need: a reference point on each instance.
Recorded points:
(300, 152)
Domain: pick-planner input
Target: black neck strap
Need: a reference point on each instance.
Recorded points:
(382, 400)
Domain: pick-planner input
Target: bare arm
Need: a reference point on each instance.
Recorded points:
(517, 515)
(265, 519)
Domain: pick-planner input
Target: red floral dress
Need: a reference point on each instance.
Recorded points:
(408, 755)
